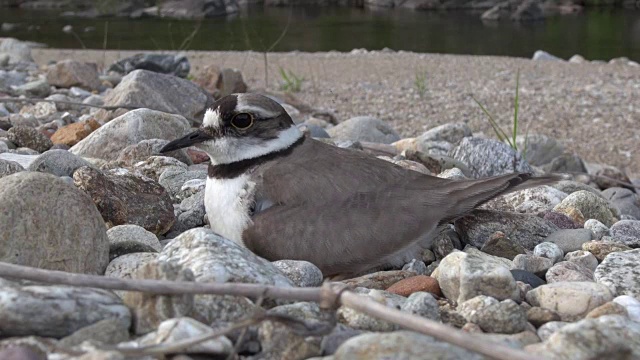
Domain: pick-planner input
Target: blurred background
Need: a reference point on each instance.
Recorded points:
(595, 29)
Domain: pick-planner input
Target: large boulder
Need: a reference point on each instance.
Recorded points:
(49, 224)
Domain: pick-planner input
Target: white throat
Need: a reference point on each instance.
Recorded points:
(228, 150)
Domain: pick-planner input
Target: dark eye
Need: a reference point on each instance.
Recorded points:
(242, 121)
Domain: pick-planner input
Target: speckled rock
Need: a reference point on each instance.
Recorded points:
(183, 328)
(546, 330)
(562, 221)
(150, 310)
(68, 73)
(568, 271)
(488, 157)
(125, 266)
(571, 300)
(129, 129)
(154, 166)
(597, 228)
(122, 197)
(399, 345)
(463, 276)
(8, 167)
(468, 309)
(538, 316)
(151, 147)
(541, 149)
(73, 133)
(32, 200)
(569, 187)
(569, 240)
(417, 266)
(174, 179)
(28, 137)
(364, 128)
(625, 200)
(450, 132)
(631, 304)
(619, 271)
(583, 258)
(524, 229)
(56, 310)
(58, 162)
(500, 245)
(600, 249)
(301, 273)
(549, 250)
(590, 205)
(505, 317)
(422, 304)
(610, 308)
(126, 239)
(534, 200)
(626, 232)
(610, 337)
(534, 264)
(361, 321)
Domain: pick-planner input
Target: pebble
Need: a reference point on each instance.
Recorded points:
(37, 88)
(500, 245)
(539, 316)
(631, 304)
(568, 271)
(562, 221)
(174, 179)
(183, 328)
(488, 157)
(68, 73)
(108, 331)
(60, 310)
(610, 308)
(150, 147)
(549, 250)
(417, 266)
(8, 167)
(584, 258)
(541, 149)
(30, 226)
(451, 132)
(534, 200)
(626, 232)
(73, 133)
(619, 271)
(569, 240)
(422, 304)
(527, 278)
(600, 249)
(124, 197)
(625, 200)
(361, 321)
(380, 280)
(58, 162)
(30, 138)
(597, 228)
(301, 273)
(126, 239)
(571, 300)
(534, 264)
(364, 128)
(590, 205)
(420, 283)
(505, 317)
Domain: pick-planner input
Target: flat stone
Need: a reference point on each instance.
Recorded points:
(301, 273)
(626, 232)
(123, 197)
(562, 221)
(549, 250)
(420, 283)
(131, 128)
(590, 205)
(583, 258)
(524, 229)
(619, 271)
(571, 300)
(568, 271)
(33, 207)
(364, 128)
(126, 239)
(569, 240)
(56, 310)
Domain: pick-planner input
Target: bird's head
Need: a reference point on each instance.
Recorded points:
(239, 127)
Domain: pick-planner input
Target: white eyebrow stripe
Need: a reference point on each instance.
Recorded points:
(256, 110)
(211, 118)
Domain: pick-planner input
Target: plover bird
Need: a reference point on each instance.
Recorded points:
(284, 195)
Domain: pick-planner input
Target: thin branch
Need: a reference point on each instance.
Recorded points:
(327, 295)
(35, 100)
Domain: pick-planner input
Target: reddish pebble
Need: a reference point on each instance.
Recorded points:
(197, 156)
(414, 284)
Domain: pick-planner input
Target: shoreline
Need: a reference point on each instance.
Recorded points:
(589, 107)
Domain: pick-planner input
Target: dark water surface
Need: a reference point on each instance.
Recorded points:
(596, 34)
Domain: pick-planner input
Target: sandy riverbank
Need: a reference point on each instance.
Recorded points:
(593, 108)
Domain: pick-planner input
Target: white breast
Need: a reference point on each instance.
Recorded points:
(227, 202)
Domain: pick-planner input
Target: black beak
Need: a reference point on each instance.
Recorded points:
(195, 137)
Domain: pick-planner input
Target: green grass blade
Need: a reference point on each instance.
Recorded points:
(501, 134)
(515, 110)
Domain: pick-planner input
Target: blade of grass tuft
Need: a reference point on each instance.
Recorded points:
(515, 110)
(502, 136)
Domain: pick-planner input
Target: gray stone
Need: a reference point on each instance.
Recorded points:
(470, 308)
(538, 316)
(568, 271)
(129, 129)
(126, 239)
(8, 167)
(361, 321)
(417, 266)
(631, 304)
(541, 149)
(626, 232)
(527, 278)
(173, 64)
(230, 82)
(505, 317)
(569, 187)
(12, 78)
(605, 337)
(33, 207)
(301, 273)
(146, 148)
(441, 148)
(400, 345)
(583, 258)
(68, 73)
(625, 200)
(191, 213)
(37, 88)
(154, 166)
(488, 157)
(500, 245)
(534, 200)
(524, 229)
(590, 205)
(56, 310)
(174, 179)
(549, 250)
(452, 133)
(569, 240)
(183, 328)
(546, 330)
(58, 162)
(463, 276)
(571, 300)
(17, 50)
(108, 331)
(534, 264)
(541, 55)
(125, 266)
(160, 92)
(599, 229)
(331, 342)
(30, 138)
(566, 163)
(364, 128)
(620, 272)
(422, 304)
